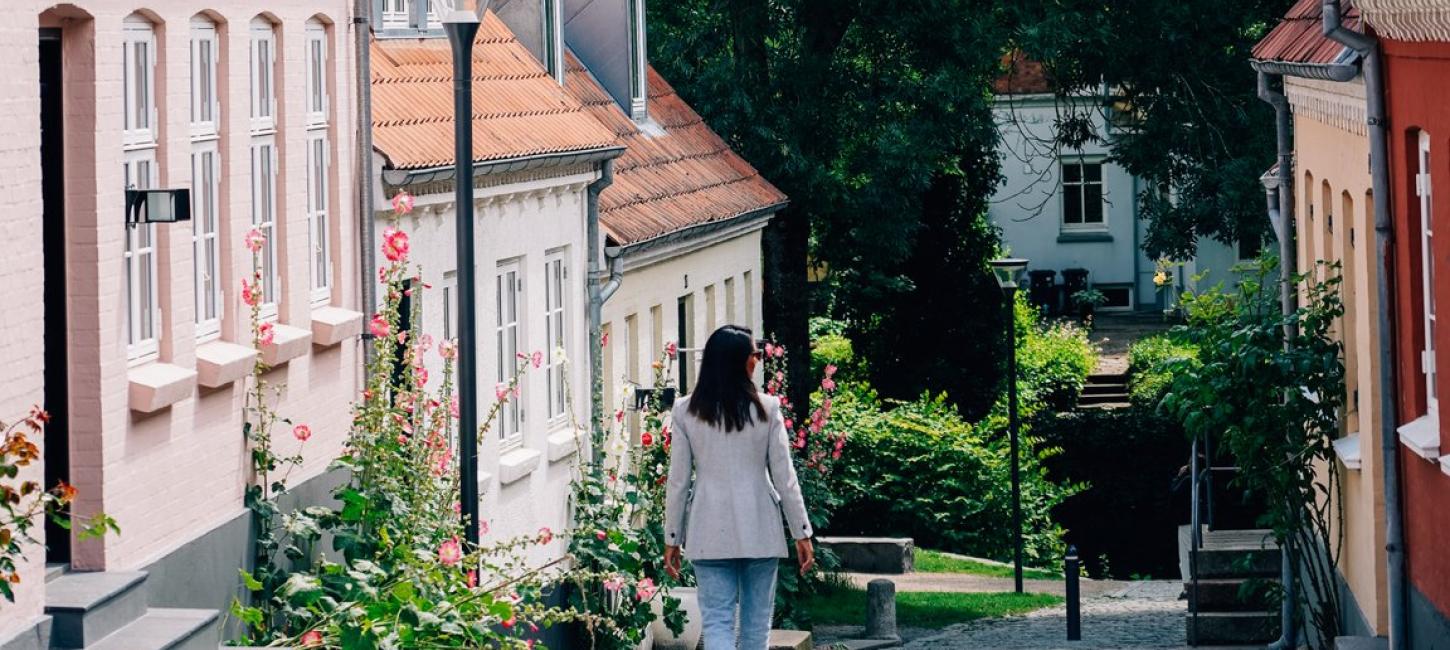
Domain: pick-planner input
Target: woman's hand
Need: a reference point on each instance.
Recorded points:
(672, 561)
(804, 552)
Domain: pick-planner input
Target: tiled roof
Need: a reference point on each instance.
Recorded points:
(518, 109)
(674, 177)
(1021, 76)
(1299, 37)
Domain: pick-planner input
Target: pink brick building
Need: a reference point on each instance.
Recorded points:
(135, 337)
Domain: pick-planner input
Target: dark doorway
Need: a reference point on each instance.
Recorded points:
(52, 188)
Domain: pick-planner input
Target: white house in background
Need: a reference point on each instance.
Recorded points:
(684, 212)
(1065, 209)
(536, 152)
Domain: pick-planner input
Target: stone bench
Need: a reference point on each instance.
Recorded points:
(893, 555)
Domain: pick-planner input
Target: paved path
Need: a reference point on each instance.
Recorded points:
(1114, 333)
(961, 582)
(1137, 615)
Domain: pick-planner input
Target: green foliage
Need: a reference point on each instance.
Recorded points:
(831, 346)
(1275, 409)
(920, 470)
(932, 610)
(927, 561)
(1151, 362)
(1054, 359)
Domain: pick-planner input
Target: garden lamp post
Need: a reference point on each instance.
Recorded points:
(461, 27)
(1009, 272)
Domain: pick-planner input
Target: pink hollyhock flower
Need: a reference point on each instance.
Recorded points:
(395, 245)
(250, 294)
(779, 376)
(472, 578)
(482, 528)
(453, 408)
(779, 351)
(671, 349)
(516, 390)
(403, 337)
(457, 507)
(828, 384)
(448, 348)
(425, 343)
(255, 240)
(420, 377)
(619, 415)
(830, 370)
(601, 535)
(789, 424)
(501, 391)
(769, 350)
(614, 582)
(266, 333)
(508, 623)
(604, 339)
(402, 203)
(646, 439)
(450, 552)
(645, 590)
(545, 535)
(537, 358)
(312, 639)
(378, 326)
(302, 432)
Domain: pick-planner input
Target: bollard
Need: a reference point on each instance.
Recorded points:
(1074, 608)
(881, 609)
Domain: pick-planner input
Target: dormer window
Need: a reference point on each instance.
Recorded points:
(397, 14)
(409, 16)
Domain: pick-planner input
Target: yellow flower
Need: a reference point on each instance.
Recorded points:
(1160, 278)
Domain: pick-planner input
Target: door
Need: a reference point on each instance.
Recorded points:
(52, 188)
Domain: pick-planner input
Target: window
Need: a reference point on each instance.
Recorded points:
(263, 63)
(730, 301)
(509, 285)
(396, 14)
(710, 322)
(748, 298)
(1082, 195)
(450, 305)
(206, 247)
(205, 109)
(143, 314)
(1427, 274)
(317, 98)
(264, 219)
(685, 319)
(556, 274)
(138, 75)
(318, 245)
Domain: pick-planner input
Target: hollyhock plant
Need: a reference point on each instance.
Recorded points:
(402, 203)
(646, 439)
(395, 245)
(255, 240)
(450, 552)
(378, 326)
(250, 296)
(312, 639)
(645, 590)
(302, 432)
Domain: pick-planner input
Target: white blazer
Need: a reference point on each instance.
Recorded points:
(726, 490)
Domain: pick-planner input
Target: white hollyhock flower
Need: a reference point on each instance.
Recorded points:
(560, 356)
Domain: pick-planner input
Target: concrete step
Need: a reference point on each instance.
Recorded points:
(1232, 628)
(55, 570)
(1238, 554)
(1108, 378)
(1102, 398)
(790, 640)
(1361, 643)
(1107, 406)
(1229, 595)
(1099, 389)
(167, 629)
(85, 607)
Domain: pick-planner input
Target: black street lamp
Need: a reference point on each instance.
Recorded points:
(461, 27)
(1009, 272)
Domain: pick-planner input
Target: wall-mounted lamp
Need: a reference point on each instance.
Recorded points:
(157, 206)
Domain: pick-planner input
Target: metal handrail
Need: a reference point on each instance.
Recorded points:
(1201, 494)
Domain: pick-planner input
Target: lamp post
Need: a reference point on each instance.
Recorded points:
(1009, 272)
(461, 27)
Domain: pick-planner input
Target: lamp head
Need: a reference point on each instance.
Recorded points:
(1009, 272)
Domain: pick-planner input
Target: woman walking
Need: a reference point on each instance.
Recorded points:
(730, 477)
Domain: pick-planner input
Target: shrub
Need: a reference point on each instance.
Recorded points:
(1054, 359)
(1151, 363)
(921, 470)
(831, 347)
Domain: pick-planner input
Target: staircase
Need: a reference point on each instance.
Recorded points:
(1228, 604)
(1104, 391)
(107, 610)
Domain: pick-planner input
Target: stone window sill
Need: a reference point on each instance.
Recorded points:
(1422, 436)
(219, 363)
(563, 443)
(517, 465)
(1347, 449)
(333, 325)
(485, 481)
(288, 343)
(157, 385)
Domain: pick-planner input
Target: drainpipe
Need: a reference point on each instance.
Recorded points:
(1373, 68)
(602, 285)
(362, 58)
(1288, 263)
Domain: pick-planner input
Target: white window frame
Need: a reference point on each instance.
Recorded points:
(397, 14)
(139, 121)
(317, 73)
(206, 238)
(264, 219)
(509, 341)
(205, 103)
(1427, 274)
(1077, 190)
(556, 334)
(262, 59)
(433, 20)
(319, 235)
(450, 305)
(141, 268)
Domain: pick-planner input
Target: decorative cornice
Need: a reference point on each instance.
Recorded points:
(1408, 20)
(1338, 104)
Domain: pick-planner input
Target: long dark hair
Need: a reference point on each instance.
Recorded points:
(725, 393)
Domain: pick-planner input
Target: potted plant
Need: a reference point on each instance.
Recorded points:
(1087, 301)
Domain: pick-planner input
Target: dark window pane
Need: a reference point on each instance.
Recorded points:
(1092, 203)
(1093, 172)
(1071, 173)
(1072, 204)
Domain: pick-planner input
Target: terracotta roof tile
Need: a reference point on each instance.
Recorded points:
(1299, 37)
(1021, 76)
(518, 109)
(666, 182)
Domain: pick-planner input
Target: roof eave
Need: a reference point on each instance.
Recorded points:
(404, 177)
(1324, 71)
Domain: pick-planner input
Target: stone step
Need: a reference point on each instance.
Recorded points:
(873, 554)
(85, 607)
(1106, 406)
(790, 640)
(1238, 554)
(167, 629)
(1100, 389)
(1229, 595)
(1102, 398)
(1232, 628)
(55, 570)
(1108, 378)
(1361, 643)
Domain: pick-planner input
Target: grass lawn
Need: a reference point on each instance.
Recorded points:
(935, 562)
(847, 606)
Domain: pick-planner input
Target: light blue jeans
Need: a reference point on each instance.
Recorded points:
(727, 585)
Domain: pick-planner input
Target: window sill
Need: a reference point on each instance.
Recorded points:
(1083, 236)
(157, 385)
(517, 465)
(1347, 449)
(219, 363)
(1422, 436)
(288, 343)
(485, 481)
(564, 443)
(333, 325)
